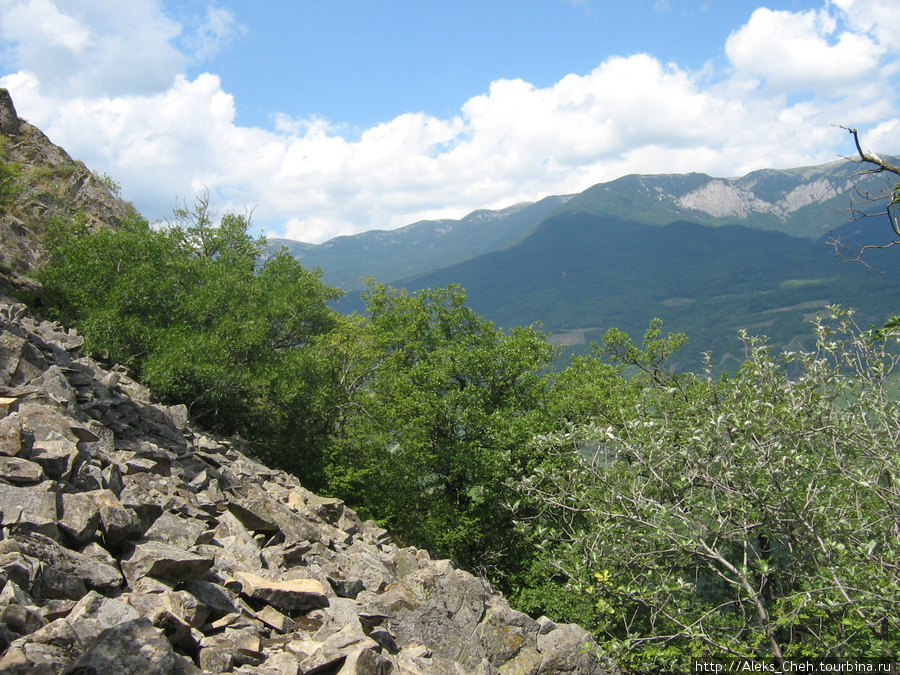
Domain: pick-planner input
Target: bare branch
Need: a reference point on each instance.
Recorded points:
(842, 251)
(871, 157)
(841, 248)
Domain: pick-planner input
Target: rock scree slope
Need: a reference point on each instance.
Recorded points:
(132, 542)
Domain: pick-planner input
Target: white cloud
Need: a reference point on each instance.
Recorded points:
(216, 33)
(797, 51)
(516, 142)
(878, 18)
(92, 47)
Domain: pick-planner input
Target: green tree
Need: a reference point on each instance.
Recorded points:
(192, 310)
(755, 515)
(438, 410)
(120, 287)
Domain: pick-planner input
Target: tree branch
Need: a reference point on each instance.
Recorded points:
(871, 157)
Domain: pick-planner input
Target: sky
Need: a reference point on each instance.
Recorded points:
(334, 117)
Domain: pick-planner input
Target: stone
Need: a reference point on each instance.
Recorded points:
(29, 510)
(95, 613)
(10, 435)
(366, 661)
(87, 477)
(175, 531)
(20, 362)
(95, 574)
(162, 561)
(346, 588)
(385, 640)
(186, 606)
(214, 597)
(54, 583)
(79, 517)
(7, 405)
(504, 632)
(527, 662)
(58, 632)
(272, 617)
(9, 121)
(568, 649)
(119, 525)
(243, 644)
(328, 509)
(59, 457)
(45, 422)
(216, 660)
(135, 647)
(54, 384)
(283, 663)
(20, 471)
(289, 596)
(21, 620)
(176, 629)
(14, 594)
(435, 607)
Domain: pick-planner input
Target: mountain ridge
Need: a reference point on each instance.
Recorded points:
(806, 201)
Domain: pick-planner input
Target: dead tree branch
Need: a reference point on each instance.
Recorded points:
(892, 211)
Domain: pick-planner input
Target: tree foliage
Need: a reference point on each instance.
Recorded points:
(438, 412)
(192, 311)
(754, 515)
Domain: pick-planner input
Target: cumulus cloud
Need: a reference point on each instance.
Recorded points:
(873, 17)
(311, 180)
(92, 47)
(792, 51)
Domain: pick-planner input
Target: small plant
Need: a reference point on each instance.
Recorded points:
(110, 184)
(47, 172)
(9, 184)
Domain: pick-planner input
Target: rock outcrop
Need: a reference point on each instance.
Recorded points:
(132, 542)
(51, 184)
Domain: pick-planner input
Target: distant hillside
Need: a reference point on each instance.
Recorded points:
(421, 247)
(581, 274)
(805, 202)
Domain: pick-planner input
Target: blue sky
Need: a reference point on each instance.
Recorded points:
(362, 63)
(332, 117)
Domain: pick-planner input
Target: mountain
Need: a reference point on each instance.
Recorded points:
(420, 247)
(581, 274)
(710, 256)
(806, 202)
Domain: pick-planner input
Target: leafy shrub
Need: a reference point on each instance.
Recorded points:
(754, 515)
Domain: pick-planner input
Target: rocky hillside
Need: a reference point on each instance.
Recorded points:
(132, 542)
(49, 184)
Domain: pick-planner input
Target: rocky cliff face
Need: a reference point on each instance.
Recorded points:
(723, 198)
(51, 184)
(132, 542)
